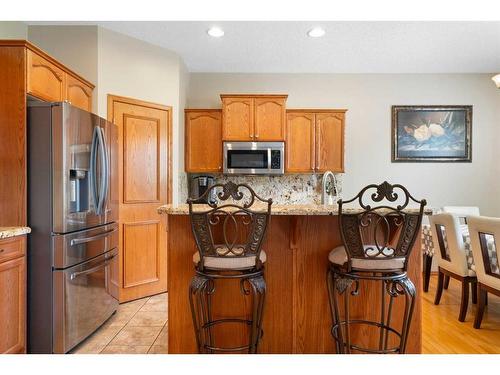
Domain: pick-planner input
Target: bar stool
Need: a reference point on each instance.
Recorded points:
(377, 243)
(229, 239)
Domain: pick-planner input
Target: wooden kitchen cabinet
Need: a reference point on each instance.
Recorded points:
(315, 141)
(253, 117)
(78, 93)
(13, 295)
(270, 117)
(44, 79)
(203, 148)
(49, 80)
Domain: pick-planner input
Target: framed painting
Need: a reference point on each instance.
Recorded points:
(435, 133)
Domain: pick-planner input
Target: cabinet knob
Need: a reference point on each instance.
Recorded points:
(2, 250)
(256, 136)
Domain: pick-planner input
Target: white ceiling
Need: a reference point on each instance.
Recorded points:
(347, 47)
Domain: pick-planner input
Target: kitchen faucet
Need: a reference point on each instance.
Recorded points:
(328, 188)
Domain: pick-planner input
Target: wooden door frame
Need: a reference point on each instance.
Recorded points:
(112, 99)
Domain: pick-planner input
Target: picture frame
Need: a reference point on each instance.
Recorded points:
(431, 133)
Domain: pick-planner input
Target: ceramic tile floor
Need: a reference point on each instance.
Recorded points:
(138, 327)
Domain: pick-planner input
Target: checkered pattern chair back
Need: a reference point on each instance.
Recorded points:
(449, 243)
(484, 235)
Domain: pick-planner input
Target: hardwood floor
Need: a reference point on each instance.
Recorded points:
(442, 333)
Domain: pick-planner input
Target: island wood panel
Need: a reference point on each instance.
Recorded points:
(13, 306)
(78, 93)
(297, 316)
(13, 136)
(144, 148)
(203, 151)
(237, 119)
(45, 79)
(330, 142)
(300, 142)
(270, 118)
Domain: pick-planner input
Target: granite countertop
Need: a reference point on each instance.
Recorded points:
(276, 209)
(6, 232)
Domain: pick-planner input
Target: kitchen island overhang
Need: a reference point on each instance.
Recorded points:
(297, 315)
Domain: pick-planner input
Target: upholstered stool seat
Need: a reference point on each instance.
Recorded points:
(338, 256)
(229, 262)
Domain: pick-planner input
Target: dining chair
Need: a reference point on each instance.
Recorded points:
(484, 231)
(462, 212)
(452, 259)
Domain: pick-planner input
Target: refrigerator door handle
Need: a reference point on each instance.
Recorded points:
(103, 170)
(93, 170)
(78, 241)
(103, 264)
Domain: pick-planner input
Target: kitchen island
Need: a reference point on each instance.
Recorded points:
(297, 314)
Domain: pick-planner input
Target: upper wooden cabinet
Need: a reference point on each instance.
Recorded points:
(203, 151)
(315, 141)
(253, 117)
(49, 80)
(44, 79)
(78, 93)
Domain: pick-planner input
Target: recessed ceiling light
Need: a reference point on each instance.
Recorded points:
(316, 32)
(215, 31)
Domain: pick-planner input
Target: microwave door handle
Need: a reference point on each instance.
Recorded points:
(93, 170)
(269, 159)
(103, 264)
(78, 241)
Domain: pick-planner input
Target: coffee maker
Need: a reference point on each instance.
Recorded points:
(199, 185)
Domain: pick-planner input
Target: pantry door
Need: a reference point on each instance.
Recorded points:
(144, 172)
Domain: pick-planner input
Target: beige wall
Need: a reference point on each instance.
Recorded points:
(74, 46)
(368, 128)
(13, 30)
(132, 68)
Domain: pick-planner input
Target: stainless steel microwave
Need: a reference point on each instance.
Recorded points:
(264, 158)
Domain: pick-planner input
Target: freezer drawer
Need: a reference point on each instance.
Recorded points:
(73, 248)
(83, 299)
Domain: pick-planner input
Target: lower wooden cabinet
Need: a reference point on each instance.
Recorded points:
(13, 296)
(315, 141)
(203, 141)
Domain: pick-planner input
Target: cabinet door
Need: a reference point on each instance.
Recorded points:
(269, 119)
(13, 306)
(44, 79)
(237, 119)
(78, 93)
(330, 142)
(299, 147)
(203, 141)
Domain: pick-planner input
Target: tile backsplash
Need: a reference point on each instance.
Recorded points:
(286, 189)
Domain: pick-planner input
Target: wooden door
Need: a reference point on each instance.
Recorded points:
(300, 145)
(144, 159)
(330, 142)
(44, 79)
(78, 93)
(203, 151)
(237, 119)
(13, 306)
(270, 118)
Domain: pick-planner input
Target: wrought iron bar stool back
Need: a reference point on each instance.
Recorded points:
(378, 236)
(229, 234)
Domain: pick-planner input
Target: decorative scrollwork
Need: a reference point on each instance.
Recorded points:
(380, 231)
(258, 283)
(343, 283)
(198, 282)
(229, 221)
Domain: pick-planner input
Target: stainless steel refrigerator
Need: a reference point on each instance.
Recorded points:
(73, 213)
